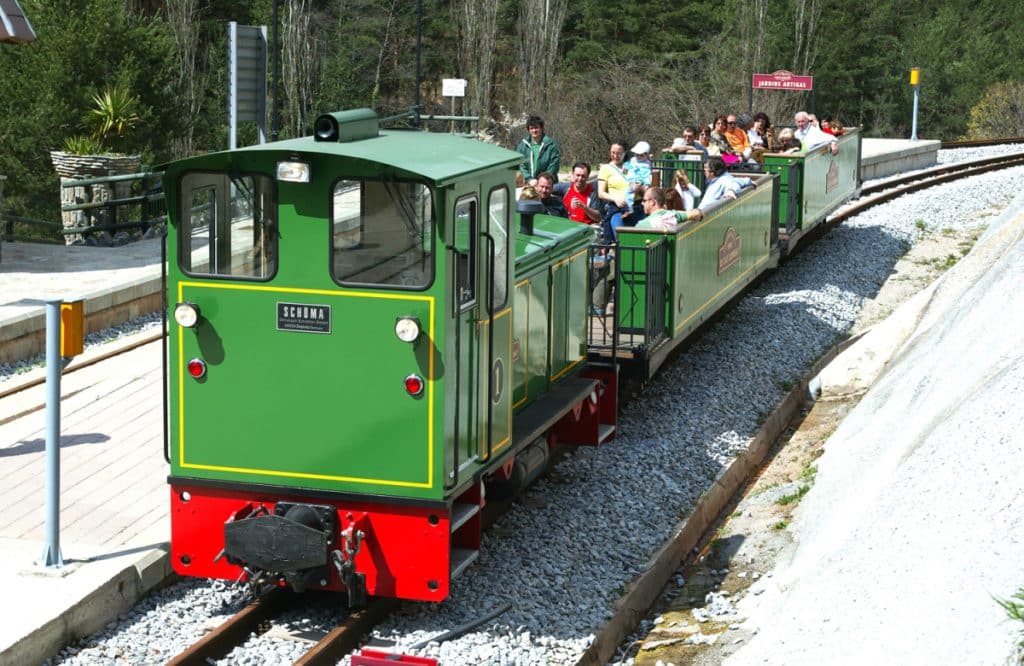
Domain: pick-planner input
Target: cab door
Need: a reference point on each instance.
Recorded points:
(495, 328)
(466, 302)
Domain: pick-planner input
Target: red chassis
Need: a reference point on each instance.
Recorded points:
(405, 551)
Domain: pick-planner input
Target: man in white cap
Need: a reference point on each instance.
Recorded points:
(638, 175)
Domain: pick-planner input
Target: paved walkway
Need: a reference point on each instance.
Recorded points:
(114, 510)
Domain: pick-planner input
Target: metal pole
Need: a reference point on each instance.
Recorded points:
(419, 49)
(913, 125)
(232, 85)
(51, 552)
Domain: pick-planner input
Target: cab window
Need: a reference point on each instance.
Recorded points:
(465, 252)
(497, 207)
(228, 224)
(382, 234)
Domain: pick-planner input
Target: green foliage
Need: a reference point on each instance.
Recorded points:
(83, 46)
(82, 144)
(1014, 607)
(793, 497)
(999, 113)
(113, 112)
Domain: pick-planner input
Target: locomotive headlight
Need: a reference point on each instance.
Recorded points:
(293, 172)
(186, 314)
(407, 329)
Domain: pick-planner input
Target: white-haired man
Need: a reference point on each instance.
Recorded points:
(811, 136)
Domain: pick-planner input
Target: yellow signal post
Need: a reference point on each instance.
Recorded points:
(915, 80)
(72, 328)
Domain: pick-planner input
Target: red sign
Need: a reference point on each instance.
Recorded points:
(783, 80)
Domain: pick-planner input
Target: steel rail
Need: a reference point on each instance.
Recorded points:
(234, 631)
(879, 194)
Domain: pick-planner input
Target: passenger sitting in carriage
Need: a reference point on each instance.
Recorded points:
(721, 184)
(661, 218)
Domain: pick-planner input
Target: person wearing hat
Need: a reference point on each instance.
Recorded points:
(639, 175)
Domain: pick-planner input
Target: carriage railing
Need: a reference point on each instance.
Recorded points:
(635, 319)
(691, 163)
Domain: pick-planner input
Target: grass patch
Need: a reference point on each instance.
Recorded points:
(921, 225)
(793, 497)
(781, 525)
(808, 472)
(1014, 607)
(763, 489)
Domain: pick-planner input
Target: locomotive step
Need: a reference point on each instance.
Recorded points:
(462, 558)
(605, 431)
(461, 512)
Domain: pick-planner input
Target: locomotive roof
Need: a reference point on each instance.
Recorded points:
(442, 158)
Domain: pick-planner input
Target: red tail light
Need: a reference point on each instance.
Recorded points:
(197, 368)
(414, 385)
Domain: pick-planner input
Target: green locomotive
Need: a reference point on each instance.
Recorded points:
(364, 334)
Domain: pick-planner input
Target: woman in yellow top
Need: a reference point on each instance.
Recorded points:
(613, 190)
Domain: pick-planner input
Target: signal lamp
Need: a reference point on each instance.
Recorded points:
(414, 385)
(293, 172)
(326, 128)
(186, 314)
(197, 368)
(407, 329)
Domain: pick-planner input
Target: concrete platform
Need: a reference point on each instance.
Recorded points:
(117, 283)
(881, 158)
(114, 524)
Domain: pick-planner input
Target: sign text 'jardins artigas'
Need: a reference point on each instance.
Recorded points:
(782, 80)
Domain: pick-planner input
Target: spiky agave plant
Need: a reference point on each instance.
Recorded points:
(113, 113)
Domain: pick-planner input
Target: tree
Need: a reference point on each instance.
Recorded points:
(999, 114)
(83, 46)
(540, 26)
(478, 27)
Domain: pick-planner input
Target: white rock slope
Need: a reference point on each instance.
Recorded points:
(917, 516)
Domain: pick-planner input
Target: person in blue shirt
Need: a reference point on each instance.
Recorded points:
(720, 183)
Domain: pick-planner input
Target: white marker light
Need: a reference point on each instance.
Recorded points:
(407, 329)
(293, 172)
(186, 314)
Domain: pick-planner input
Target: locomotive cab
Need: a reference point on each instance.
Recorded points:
(337, 355)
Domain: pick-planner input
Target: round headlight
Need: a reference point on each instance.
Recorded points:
(407, 329)
(186, 314)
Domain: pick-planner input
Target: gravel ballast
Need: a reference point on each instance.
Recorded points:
(565, 551)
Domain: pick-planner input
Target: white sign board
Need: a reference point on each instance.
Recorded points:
(453, 87)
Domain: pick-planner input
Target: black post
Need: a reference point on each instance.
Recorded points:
(275, 114)
(419, 48)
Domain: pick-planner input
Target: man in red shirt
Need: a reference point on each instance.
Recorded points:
(577, 195)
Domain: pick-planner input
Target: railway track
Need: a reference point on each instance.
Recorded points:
(259, 615)
(342, 640)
